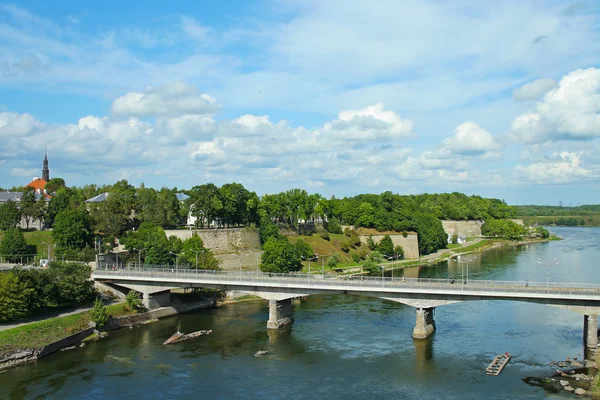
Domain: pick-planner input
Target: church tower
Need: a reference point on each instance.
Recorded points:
(45, 170)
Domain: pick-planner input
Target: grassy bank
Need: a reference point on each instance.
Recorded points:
(36, 238)
(39, 334)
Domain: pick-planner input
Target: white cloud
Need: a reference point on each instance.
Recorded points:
(564, 167)
(193, 29)
(172, 99)
(534, 90)
(17, 125)
(471, 139)
(370, 123)
(571, 111)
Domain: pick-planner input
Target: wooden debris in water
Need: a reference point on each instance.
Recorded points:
(498, 364)
(180, 337)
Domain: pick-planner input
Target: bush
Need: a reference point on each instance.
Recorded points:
(371, 267)
(355, 256)
(324, 235)
(133, 300)
(304, 249)
(386, 246)
(355, 240)
(399, 252)
(334, 260)
(454, 239)
(349, 232)
(405, 234)
(98, 313)
(334, 226)
(371, 243)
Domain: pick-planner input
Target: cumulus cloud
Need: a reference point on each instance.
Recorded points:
(168, 100)
(17, 125)
(534, 90)
(563, 167)
(369, 123)
(472, 140)
(570, 111)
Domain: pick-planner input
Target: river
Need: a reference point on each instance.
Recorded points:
(339, 346)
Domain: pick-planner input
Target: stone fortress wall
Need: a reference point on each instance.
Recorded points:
(226, 240)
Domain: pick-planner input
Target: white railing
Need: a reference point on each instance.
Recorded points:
(589, 291)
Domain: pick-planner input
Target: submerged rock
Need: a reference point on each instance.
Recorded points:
(580, 391)
(564, 383)
(569, 388)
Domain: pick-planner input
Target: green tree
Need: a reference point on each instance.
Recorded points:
(398, 252)
(72, 229)
(267, 230)
(280, 255)
(28, 205)
(334, 260)
(153, 239)
(193, 250)
(304, 249)
(371, 267)
(99, 314)
(14, 296)
(59, 202)
(206, 204)
(386, 246)
(54, 184)
(334, 226)
(13, 245)
(10, 215)
(73, 284)
(133, 300)
(371, 243)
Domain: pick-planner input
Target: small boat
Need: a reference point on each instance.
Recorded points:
(180, 337)
(498, 364)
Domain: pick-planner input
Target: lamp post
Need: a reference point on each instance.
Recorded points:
(547, 263)
(176, 259)
(48, 244)
(139, 256)
(465, 280)
(313, 258)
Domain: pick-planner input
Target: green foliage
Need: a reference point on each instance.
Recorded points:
(98, 313)
(454, 239)
(54, 184)
(304, 249)
(371, 243)
(355, 256)
(14, 296)
(158, 207)
(112, 215)
(13, 245)
(73, 284)
(10, 215)
(35, 291)
(371, 267)
(72, 229)
(61, 201)
(542, 232)
(398, 252)
(133, 299)
(280, 255)
(386, 246)
(324, 235)
(502, 228)
(334, 226)
(152, 238)
(193, 250)
(375, 256)
(333, 260)
(267, 230)
(431, 233)
(28, 205)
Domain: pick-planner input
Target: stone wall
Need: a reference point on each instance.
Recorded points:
(226, 240)
(467, 228)
(463, 228)
(410, 243)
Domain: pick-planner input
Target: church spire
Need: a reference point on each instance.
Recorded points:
(45, 170)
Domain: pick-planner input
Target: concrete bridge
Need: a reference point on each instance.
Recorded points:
(423, 294)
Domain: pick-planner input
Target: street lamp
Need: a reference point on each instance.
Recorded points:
(139, 256)
(467, 260)
(199, 251)
(176, 259)
(313, 258)
(48, 244)
(547, 263)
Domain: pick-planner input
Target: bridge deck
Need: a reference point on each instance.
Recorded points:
(239, 279)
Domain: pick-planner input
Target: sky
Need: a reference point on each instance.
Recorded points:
(498, 99)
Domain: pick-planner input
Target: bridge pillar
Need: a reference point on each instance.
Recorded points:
(590, 331)
(425, 325)
(280, 313)
(156, 300)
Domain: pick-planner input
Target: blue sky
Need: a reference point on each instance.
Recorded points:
(335, 97)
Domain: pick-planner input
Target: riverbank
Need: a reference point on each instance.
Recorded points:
(476, 246)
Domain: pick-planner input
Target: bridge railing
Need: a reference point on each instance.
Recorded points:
(316, 281)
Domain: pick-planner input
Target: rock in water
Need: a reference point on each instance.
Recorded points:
(569, 388)
(564, 383)
(260, 353)
(580, 391)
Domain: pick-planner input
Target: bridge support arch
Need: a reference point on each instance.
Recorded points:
(425, 325)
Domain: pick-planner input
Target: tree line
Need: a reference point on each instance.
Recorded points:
(77, 225)
(28, 292)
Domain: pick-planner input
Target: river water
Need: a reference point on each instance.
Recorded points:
(339, 346)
